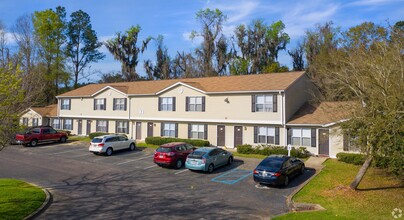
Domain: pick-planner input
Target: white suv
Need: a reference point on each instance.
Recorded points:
(109, 143)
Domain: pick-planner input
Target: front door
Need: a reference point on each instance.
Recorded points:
(149, 129)
(88, 128)
(238, 135)
(324, 142)
(138, 130)
(221, 135)
(80, 127)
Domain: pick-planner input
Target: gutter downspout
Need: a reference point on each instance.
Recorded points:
(285, 135)
(129, 109)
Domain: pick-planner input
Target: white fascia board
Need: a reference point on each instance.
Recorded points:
(182, 84)
(66, 97)
(243, 92)
(334, 123)
(108, 87)
(317, 125)
(106, 117)
(217, 121)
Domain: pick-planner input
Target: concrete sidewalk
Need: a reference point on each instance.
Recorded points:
(315, 163)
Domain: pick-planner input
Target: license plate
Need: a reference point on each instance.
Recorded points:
(160, 156)
(193, 162)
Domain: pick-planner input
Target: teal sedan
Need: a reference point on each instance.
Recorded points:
(208, 158)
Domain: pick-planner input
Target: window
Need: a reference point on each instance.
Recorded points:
(266, 135)
(301, 137)
(195, 104)
(68, 124)
(65, 104)
(166, 103)
(121, 127)
(198, 131)
(36, 131)
(169, 129)
(119, 104)
(34, 122)
(56, 123)
(264, 103)
(100, 104)
(25, 121)
(102, 126)
(350, 143)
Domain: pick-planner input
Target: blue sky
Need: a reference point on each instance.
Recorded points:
(176, 19)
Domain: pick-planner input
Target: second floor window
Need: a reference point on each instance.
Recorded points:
(68, 124)
(121, 127)
(264, 103)
(102, 126)
(119, 104)
(166, 103)
(34, 122)
(195, 104)
(100, 104)
(65, 104)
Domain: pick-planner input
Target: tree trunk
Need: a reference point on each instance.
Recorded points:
(361, 173)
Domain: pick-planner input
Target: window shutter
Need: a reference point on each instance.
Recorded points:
(186, 104)
(205, 132)
(159, 104)
(125, 104)
(203, 103)
(105, 104)
(176, 129)
(275, 103)
(276, 136)
(161, 129)
(255, 134)
(345, 142)
(114, 103)
(252, 103)
(289, 136)
(174, 104)
(63, 124)
(94, 103)
(189, 130)
(107, 126)
(313, 137)
(70, 105)
(116, 124)
(72, 123)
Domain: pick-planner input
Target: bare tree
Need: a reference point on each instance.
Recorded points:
(4, 50)
(297, 57)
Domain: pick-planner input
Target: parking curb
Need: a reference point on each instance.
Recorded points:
(44, 206)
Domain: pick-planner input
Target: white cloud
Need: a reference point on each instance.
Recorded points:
(237, 12)
(373, 2)
(9, 37)
(195, 42)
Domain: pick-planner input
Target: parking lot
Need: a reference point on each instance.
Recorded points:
(129, 185)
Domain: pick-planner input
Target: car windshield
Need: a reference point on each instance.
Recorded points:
(96, 140)
(272, 164)
(164, 149)
(197, 154)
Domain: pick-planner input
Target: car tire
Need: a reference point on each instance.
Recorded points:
(286, 181)
(302, 169)
(132, 147)
(62, 139)
(33, 142)
(178, 164)
(230, 161)
(211, 168)
(109, 151)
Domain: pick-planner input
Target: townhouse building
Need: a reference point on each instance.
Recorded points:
(227, 110)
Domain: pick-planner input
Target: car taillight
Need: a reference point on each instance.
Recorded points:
(256, 172)
(101, 145)
(170, 154)
(277, 174)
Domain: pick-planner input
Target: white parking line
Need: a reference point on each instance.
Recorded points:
(150, 167)
(181, 171)
(128, 161)
(65, 151)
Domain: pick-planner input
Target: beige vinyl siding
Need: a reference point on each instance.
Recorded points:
(30, 115)
(295, 96)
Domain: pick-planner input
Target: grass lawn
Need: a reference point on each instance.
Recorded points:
(18, 199)
(80, 138)
(376, 198)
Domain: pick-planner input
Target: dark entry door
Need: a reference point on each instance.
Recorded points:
(221, 135)
(80, 127)
(324, 142)
(238, 135)
(138, 130)
(88, 128)
(149, 129)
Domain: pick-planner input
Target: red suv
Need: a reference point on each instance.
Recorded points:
(172, 154)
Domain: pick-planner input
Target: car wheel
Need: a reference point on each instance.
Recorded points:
(210, 168)
(33, 143)
(286, 182)
(109, 151)
(132, 147)
(302, 169)
(178, 164)
(230, 161)
(62, 139)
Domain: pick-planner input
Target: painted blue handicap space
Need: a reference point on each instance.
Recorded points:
(232, 176)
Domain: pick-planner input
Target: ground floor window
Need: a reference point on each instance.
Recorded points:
(350, 143)
(122, 127)
(68, 124)
(56, 123)
(301, 137)
(25, 121)
(168, 129)
(35, 122)
(265, 135)
(102, 126)
(198, 131)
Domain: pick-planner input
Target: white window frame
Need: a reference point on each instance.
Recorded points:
(121, 127)
(65, 104)
(99, 104)
(68, 124)
(35, 121)
(102, 126)
(166, 104)
(119, 104)
(169, 130)
(197, 131)
(195, 104)
(301, 137)
(265, 132)
(56, 125)
(264, 103)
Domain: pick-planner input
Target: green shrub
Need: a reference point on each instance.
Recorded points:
(165, 140)
(356, 159)
(272, 150)
(96, 134)
(245, 149)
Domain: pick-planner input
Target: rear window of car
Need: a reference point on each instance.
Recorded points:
(96, 140)
(272, 164)
(196, 154)
(164, 149)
